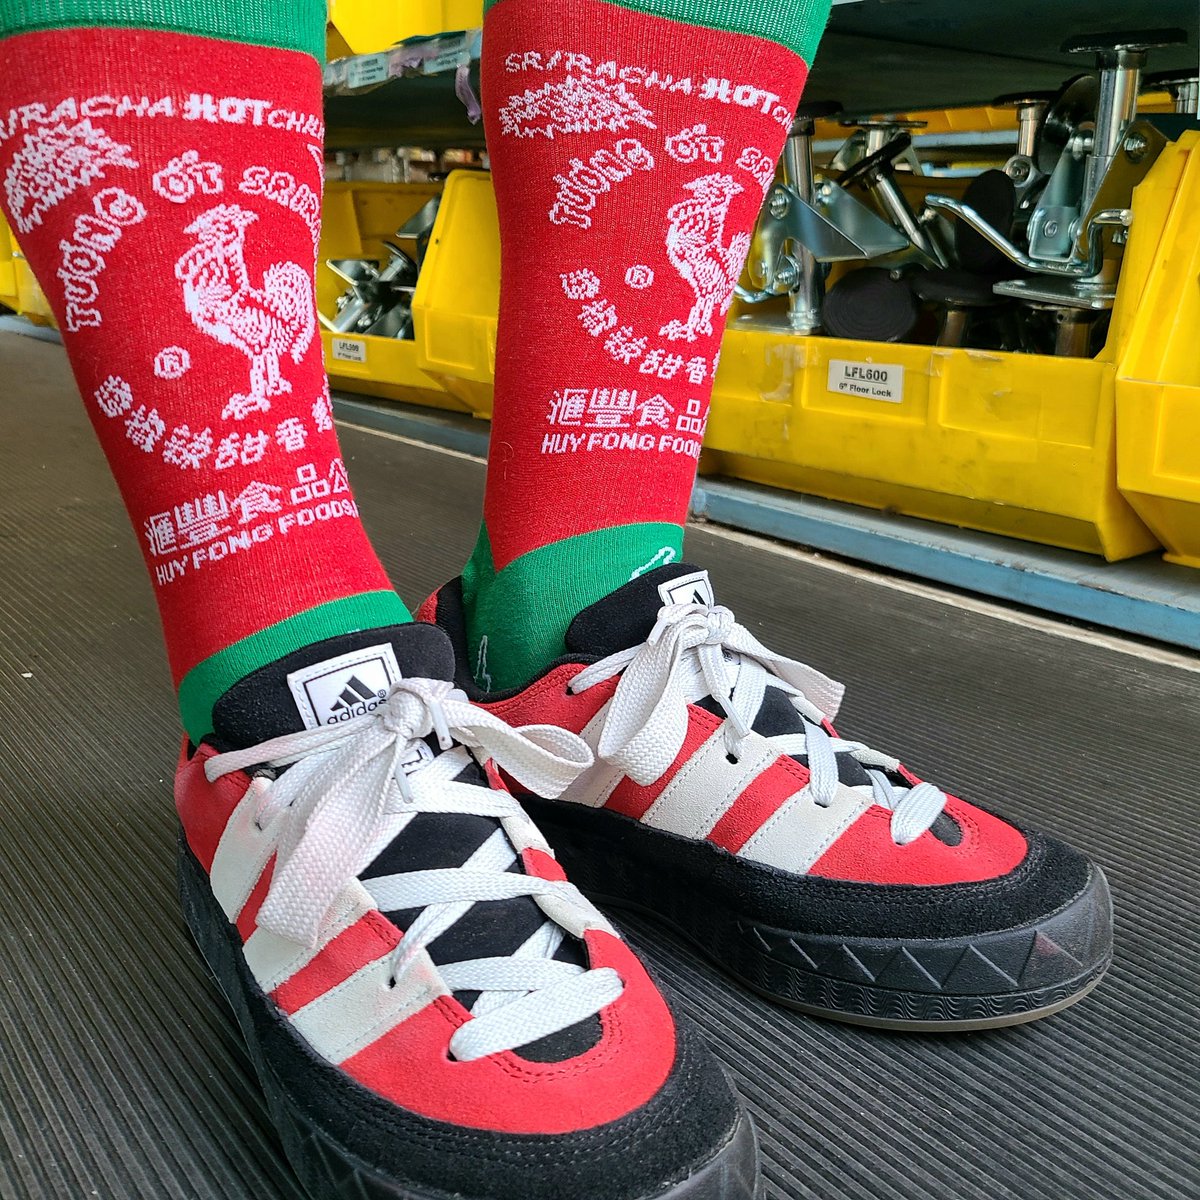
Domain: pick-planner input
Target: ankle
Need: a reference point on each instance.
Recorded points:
(517, 617)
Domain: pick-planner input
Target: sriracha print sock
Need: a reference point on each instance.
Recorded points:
(631, 146)
(161, 167)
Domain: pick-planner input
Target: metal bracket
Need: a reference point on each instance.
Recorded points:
(834, 228)
(1140, 147)
(1075, 269)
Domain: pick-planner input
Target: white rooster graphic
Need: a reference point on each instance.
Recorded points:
(695, 246)
(263, 323)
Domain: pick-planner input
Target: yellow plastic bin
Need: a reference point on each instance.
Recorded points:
(368, 26)
(458, 293)
(31, 300)
(974, 118)
(19, 290)
(1021, 445)
(1158, 377)
(357, 217)
(8, 271)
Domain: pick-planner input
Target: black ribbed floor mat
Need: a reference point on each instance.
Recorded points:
(120, 1073)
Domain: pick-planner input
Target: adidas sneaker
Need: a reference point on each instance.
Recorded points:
(818, 871)
(432, 1009)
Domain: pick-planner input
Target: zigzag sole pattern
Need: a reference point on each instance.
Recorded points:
(808, 972)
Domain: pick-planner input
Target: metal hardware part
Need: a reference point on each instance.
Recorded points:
(1051, 223)
(1119, 59)
(373, 291)
(1056, 293)
(877, 173)
(1071, 112)
(1021, 167)
(835, 228)
(806, 292)
(1068, 270)
(419, 227)
(1183, 85)
(378, 299)
(872, 134)
(1127, 168)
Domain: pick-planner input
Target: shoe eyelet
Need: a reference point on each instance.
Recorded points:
(730, 757)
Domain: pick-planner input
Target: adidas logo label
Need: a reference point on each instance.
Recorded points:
(687, 589)
(355, 692)
(339, 689)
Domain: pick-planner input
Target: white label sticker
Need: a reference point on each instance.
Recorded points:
(367, 69)
(349, 350)
(350, 685)
(447, 60)
(687, 589)
(871, 381)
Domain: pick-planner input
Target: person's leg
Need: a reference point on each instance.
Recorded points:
(630, 154)
(431, 1007)
(162, 170)
(631, 144)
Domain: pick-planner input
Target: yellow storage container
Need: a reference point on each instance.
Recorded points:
(458, 293)
(368, 26)
(19, 290)
(357, 217)
(972, 119)
(8, 271)
(1158, 378)
(1021, 445)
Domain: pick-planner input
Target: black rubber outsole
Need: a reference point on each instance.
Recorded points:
(328, 1169)
(946, 985)
(870, 1007)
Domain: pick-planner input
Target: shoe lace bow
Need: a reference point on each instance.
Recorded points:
(348, 791)
(697, 650)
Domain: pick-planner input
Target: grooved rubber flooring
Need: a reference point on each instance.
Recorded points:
(121, 1075)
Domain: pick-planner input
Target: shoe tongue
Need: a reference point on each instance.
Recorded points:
(625, 617)
(329, 681)
(344, 677)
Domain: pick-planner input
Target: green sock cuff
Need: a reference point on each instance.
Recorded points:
(299, 26)
(796, 24)
(517, 617)
(209, 680)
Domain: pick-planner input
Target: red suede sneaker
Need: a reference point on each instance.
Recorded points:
(432, 1009)
(816, 870)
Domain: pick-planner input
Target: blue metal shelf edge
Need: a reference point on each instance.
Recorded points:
(1144, 596)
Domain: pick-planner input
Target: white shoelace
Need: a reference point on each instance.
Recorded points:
(348, 784)
(695, 651)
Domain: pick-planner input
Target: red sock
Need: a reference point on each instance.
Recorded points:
(166, 190)
(625, 211)
(630, 154)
